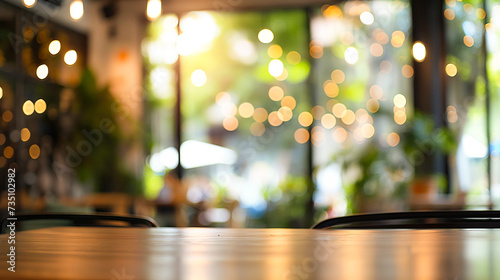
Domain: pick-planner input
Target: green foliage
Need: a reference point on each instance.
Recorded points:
(96, 138)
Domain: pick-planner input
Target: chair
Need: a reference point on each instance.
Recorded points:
(87, 220)
(414, 220)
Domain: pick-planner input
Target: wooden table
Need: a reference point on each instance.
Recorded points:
(210, 253)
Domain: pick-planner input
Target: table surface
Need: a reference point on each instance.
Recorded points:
(211, 253)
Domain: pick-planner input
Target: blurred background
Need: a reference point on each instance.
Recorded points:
(238, 113)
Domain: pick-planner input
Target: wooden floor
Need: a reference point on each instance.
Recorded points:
(209, 253)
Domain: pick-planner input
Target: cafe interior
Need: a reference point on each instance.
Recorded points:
(249, 114)
(240, 139)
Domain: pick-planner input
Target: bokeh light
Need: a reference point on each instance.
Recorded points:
(338, 76)
(318, 112)
(29, 3)
(393, 139)
(407, 71)
(54, 47)
(42, 71)
(331, 89)
(339, 134)
(8, 152)
(153, 9)
(230, 123)
(246, 109)
(34, 151)
(399, 100)
(349, 117)
(398, 39)
(376, 92)
(305, 119)
(198, 78)
(293, 57)
(76, 9)
(372, 105)
(288, 101)
(367, 130)
(265, 36)
(40, 106)
(419, 51)
(275, 51)
(328, 121)
(339, 110)
(301, 135)
(70, 57)
(449, 14)
(376, 49)
(351, 55)
(451, 70)
(285, 114)
(468, 41)
(7, 116)
(25, 134)
(276, 67)
(276, 93)
(274, 119)
(367, 18)
(28, 107)
(257, 129)
(260, 115)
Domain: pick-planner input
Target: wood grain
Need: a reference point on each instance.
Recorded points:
(210, 253)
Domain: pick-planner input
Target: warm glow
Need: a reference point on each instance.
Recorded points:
(76, 9)
(419, 51)
(399, 100)
(54, 47)
(276, 67)
(328, 121)
(339, 134)
(1, 92)
(372, 105)
(339, 110)
(275, 51)
(40, 106)
(318, 112)
(230, 124)
(367, 130)
(451, 70)
(276, 93)
(266, 36)
(331, 89)
(301, 135)
(332, 11)
(305, 119)
(393, 139)
(349, 117)
(34, 151)
(29, 3)
(376, 49)
(289, 102)
(380, 36)
(407, 71)
(8, 152)
(153, 10)
(42, 71)
(274, 119)
(257, 129)
(70, 57)
(199, 29)
(28, 107)
(25, 134)
(351, 55)
(449, 14)
(316, 51)
(317, 135)
(293, 57)
(338, 76)
(246, 110)
(400, 117)
(7, 116)
(398, 38)
(376, 92)
(198, 78)
(367, 18)
(468, 41)
(260, 115)
(285, 114)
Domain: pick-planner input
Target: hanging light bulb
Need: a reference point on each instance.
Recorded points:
(76, 9)
(153, 10)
